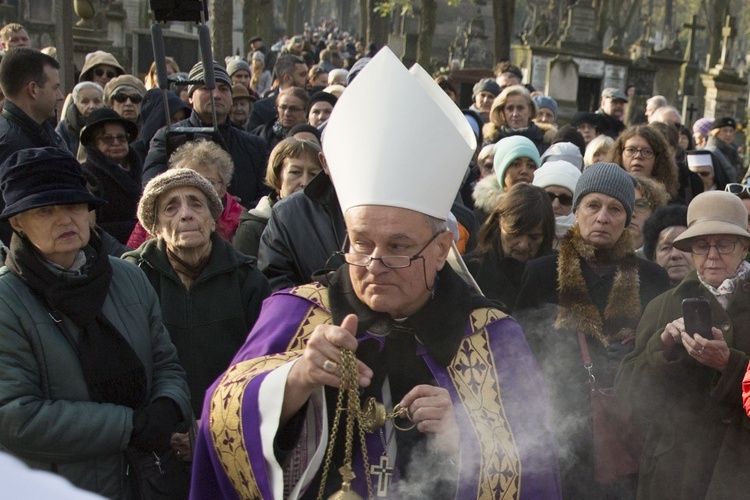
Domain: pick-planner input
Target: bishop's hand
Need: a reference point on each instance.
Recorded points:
(431, 409)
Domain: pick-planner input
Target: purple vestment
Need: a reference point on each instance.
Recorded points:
(499, 399)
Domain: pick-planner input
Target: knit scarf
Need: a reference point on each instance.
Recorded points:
(112, 370)
(576, 310)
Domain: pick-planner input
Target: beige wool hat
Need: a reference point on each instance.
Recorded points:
(120, 82)
(713, 212)
(173, 178)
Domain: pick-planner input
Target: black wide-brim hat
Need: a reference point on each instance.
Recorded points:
(106, 115)
(41, 177)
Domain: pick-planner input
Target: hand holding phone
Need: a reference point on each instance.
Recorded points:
(697, 315)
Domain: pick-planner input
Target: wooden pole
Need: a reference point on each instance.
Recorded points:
(64, 44)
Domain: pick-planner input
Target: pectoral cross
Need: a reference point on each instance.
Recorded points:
(384, 473)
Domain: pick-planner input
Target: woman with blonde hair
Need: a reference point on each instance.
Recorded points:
(261, 79)
(292, 164)
(512, 114)
(597, 149)
(150, 79)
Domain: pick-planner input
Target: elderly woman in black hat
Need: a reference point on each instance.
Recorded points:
(88, 370)
(118, 169)
(685, 375)
(590, 294)
(210, 293)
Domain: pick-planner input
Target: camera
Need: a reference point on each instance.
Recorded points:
(179, 10)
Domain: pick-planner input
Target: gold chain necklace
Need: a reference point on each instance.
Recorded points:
(370, 419)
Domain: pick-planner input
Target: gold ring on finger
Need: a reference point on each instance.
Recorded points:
(330, 366)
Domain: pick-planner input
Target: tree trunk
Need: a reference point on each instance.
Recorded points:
(503, 12)
(426, 32)
(290, 6)
(364, 21)
(221, 15)
(377, 25)
(258, 21)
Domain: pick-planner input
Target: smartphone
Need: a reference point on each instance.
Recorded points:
(697, 314)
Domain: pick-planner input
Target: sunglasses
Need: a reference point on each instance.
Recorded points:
(565, 199)
(100, 73)
(738, 189)
(134, 98)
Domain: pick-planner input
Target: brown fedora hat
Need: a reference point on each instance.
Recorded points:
(713, 212)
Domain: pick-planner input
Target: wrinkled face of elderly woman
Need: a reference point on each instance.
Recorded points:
(183, 219)
(377, 233)
(601, 219)
(57, 231)
(718, 256)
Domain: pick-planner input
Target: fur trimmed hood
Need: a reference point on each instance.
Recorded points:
(487, 194)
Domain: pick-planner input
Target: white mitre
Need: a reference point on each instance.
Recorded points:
(396, 139)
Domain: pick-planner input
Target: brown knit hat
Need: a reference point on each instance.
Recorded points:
(173, 178)
(118, 82)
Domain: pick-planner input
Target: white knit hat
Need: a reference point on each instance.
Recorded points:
(407, 148)
(557, 173)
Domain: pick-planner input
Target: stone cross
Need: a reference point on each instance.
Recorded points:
(728, 33)
(691, 109)
(693, 27)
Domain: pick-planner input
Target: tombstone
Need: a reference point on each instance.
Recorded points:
(478, 54)
(562, 85)
(725, 89)
(667, 78)
(580, 32)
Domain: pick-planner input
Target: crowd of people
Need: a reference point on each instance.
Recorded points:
(190, 300)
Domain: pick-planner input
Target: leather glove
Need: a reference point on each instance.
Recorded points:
(153, 425)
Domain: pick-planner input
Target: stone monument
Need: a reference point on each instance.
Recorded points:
(724, 86)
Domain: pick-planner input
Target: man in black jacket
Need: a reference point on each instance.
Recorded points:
(612, 111)
(31, 83)
(291, 71)
(249, 153)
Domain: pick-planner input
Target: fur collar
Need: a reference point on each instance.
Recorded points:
(487, 194)
(577, 311)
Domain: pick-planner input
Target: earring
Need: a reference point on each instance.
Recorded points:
(21, 234)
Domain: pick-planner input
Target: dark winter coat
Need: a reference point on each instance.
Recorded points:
(698, 441)
(19, 131)
(252, 224)
(122, 190)
(532, 132)
(209, 322)
(249, 154)
(304, 231)
(47, 416)
(612, 126)
(499, 278)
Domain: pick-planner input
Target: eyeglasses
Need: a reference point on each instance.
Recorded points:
(100, 73)
(291, 109)
(738, 189)
(134, 98)
(646, 153)
(389, 261)
(642, 206)
(109, 140)
(565, 199)
(722, 246)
